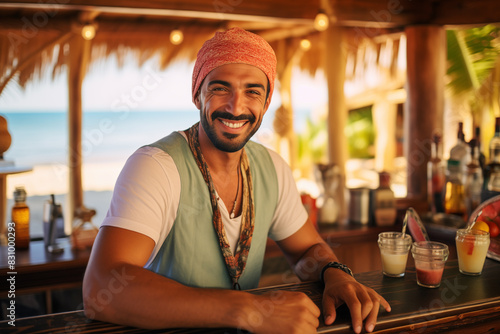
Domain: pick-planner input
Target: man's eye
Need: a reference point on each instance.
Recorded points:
(256, 92)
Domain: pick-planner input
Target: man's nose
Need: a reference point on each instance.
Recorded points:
(236, 103)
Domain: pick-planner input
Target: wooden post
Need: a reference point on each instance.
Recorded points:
(423, 115)
(335, 68)
(283, 119)
(384, 120)
(79, 52)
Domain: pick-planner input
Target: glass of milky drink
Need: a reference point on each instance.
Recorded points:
(472, 246)
(394, 247)
(430, 257)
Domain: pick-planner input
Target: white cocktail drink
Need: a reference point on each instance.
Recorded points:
(393, 264)
(394, 247)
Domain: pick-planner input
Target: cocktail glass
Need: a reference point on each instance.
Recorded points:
(472, 246)
(430, 258)
(394, 247)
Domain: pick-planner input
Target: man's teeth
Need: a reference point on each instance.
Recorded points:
(233, 125)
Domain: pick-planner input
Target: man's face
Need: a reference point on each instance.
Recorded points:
(232, 102)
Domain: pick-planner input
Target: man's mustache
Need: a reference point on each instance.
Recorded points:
(231, 117)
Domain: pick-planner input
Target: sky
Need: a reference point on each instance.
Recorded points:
(108, 88)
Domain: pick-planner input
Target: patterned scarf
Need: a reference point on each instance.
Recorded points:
(234, 264)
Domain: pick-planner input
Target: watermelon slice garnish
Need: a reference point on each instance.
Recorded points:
(469, 243)
(415, 226)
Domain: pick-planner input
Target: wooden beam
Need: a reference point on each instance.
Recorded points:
(371, 15)
(23, 27)
(466, 12)
(280, 34)
(380, 14)
(423, 115)
(106, 25)
(237, 10)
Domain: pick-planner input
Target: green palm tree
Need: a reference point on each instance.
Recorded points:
(474, 71)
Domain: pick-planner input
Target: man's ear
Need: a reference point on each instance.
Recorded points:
(268, 102)
(197, 100)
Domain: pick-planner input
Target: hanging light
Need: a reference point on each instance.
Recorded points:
(305, 44)
(321, 21)
(88, 32)
(176, 37)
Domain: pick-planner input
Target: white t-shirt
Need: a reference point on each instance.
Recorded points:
(147, 194)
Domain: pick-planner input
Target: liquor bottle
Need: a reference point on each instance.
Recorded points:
(384, 202)
(491, 176)
(482, 158)
(435, 177)
(21, 218)
(461, 152)
(474, 180)
(454, 200)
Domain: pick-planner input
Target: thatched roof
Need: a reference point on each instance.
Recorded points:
(33, 38)
(33, 33)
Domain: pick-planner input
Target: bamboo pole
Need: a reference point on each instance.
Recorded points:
(79, 53)
(335, 68)
(423, 115)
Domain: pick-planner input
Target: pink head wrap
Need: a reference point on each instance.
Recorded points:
(230, 47)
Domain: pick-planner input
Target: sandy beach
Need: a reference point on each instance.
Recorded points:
(53, 178)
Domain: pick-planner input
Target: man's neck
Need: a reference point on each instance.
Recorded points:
(218, 161)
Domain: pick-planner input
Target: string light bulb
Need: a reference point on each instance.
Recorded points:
(321, 21)
(176, 37)
(305, 44)
(88, 32)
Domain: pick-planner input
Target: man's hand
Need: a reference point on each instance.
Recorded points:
(363, 302)
(309, 253)
(280, 312)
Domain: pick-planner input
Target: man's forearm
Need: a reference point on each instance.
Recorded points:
(135, 296)
(309, 266)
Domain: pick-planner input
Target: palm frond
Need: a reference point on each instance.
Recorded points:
(472, 55)
(460, 71)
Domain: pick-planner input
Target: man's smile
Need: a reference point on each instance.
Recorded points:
(233, 124)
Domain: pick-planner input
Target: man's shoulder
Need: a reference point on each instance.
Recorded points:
(275, 157)
(158, 149)
(280, 165)
(253, 145)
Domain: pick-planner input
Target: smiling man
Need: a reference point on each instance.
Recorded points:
(191, 213)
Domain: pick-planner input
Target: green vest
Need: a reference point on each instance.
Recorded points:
(191, 254)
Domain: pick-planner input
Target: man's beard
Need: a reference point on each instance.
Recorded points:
(229, 143)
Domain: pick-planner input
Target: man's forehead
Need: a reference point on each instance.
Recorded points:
(237, 71)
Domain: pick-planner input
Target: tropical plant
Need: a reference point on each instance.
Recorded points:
(312, 145)
(313, 140)
(474, 71)
(360, 133)
(472, 55)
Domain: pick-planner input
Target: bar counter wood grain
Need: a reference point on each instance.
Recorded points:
(468, 304)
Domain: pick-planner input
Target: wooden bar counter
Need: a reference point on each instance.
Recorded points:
(467, 304)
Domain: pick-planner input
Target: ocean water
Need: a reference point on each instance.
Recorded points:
(40, 138)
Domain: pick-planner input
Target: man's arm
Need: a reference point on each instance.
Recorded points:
(116, 288)
(309, 253)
